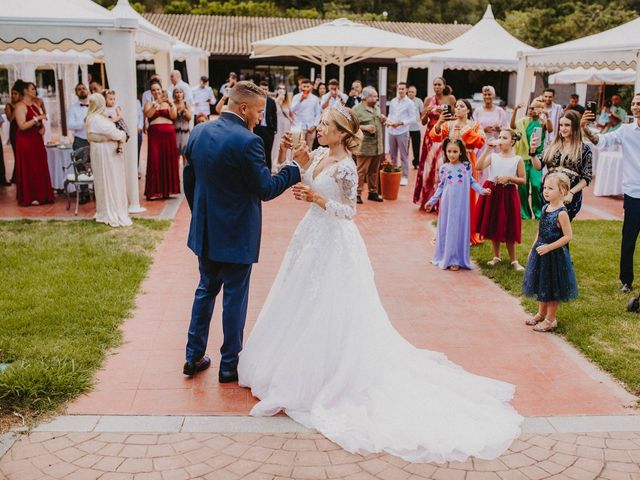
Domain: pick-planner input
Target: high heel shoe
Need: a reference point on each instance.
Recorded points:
(546, 326)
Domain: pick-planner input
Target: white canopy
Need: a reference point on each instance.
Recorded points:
(485, 46)
(593, 76)
(85, 26)
(342, 42)
(618, 47)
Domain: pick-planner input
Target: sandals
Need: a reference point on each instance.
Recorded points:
(494, 261)
(546, 326)
(454, 268)
(536, 319)
(516, 266)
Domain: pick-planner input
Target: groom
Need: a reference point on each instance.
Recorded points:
(225, 181)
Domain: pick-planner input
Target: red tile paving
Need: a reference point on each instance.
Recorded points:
(9, 208)
(461, 313)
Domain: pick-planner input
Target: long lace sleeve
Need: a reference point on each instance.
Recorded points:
(346, 177)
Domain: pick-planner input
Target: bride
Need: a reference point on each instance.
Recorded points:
(324, 351)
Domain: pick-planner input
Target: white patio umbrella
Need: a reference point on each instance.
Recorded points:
(593, 76)
(342, 42)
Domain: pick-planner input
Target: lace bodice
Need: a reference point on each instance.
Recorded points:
(337, 183)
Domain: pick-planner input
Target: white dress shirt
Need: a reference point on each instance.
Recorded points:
(415, 126)
(147, 97)
(75, 119)
(308, 111)
(203, 97)
(628, 137)
(340, 99)
(188, 95)
(401, 111)
(139, 115)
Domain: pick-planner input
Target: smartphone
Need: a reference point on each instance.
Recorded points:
(446, 109)
(592, 107)
(536, 136)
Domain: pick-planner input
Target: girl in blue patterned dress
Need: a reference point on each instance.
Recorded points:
(549, 275)
(456, 179)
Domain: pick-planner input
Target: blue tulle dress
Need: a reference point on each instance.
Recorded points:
(550, 277)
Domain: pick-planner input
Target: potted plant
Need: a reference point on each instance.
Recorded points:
(390, 176)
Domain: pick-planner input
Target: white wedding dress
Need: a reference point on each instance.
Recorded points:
(324, 351)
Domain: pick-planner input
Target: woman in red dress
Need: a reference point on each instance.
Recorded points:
(471, 133)
(32, 171)
(163, 177)
(431, 156)
(10, 112)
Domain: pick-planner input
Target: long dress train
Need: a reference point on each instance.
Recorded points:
(324, 351)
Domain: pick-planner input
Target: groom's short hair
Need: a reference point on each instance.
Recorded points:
(245, 91)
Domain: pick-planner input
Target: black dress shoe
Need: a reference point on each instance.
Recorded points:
(375, 196)
(228, 377)
(359, 200)
(191, 368)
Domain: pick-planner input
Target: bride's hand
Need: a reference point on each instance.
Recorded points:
(303, 192)
(301, 155)
(285, 142)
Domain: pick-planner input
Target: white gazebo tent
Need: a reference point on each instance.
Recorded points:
(23, 64)
(485, 46)
(618, 47)
(341, 42)
(84, 26)
(196, 59)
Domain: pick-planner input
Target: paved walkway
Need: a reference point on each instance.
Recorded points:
(481, 329)
(146, 421)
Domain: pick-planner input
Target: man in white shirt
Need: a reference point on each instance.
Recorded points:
(627, 137)
(334, 96)
(306, 107)
(402, 112)
(414, 127)
(203, 98)
(175, 81)
(554, 111)
(75, 117)
(233, 78)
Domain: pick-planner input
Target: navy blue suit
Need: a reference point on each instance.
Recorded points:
(225, 181)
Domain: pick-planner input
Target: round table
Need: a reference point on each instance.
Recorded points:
(608, 173)
(58, 159)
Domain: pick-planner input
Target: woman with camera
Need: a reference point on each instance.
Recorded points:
(32, 170)
(568, 154)
(431, 153)
(163, 178)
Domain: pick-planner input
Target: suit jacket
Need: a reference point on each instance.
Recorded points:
(271, 114)
(225, 181)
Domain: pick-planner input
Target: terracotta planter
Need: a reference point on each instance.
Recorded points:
(390, 184)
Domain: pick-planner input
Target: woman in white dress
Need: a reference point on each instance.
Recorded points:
(107, 164)
(324, 351)
(285, 119)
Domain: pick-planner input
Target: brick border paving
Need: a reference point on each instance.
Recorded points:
(264, 456)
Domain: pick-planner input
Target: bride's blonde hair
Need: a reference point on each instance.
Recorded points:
(347, 122)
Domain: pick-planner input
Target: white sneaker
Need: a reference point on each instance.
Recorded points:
(404, 181)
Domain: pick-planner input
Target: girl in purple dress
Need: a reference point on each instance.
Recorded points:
(456, 178)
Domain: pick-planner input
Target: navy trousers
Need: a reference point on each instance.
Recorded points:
(233, 278)
(630, 230)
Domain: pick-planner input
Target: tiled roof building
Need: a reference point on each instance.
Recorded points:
(232, 36)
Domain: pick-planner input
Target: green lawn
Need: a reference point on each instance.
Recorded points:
(66, 287)
(597, 323)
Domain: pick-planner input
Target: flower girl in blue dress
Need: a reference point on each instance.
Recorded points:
(549, 275)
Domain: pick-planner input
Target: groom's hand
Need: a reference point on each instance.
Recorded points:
(301, 155)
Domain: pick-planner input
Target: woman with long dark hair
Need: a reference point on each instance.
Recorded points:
(431, 153)
(32, 170)
(163, 178)
(568, 154)
(10, 112)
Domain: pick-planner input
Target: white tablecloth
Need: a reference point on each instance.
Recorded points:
(608, 173)
(58, 159)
